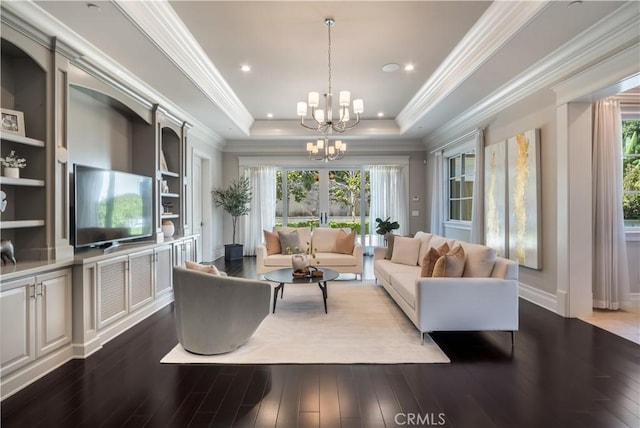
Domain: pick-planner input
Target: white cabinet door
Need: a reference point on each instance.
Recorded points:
(178, 253)
(17, 324)
(163, 270)
(140, 278)
(53, 315)
(189, 250)
(113, 296)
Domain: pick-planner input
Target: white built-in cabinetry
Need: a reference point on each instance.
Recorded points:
(35, 315)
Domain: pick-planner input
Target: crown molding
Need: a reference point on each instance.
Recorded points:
(29, 19)
(500, 22)
(304, 161)
(164, 28)
(607, 38)
(298, 147)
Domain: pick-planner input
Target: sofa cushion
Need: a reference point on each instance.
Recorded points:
(424, 239)
(385, 268)
(436, 241)
(333, 259)
(304, 234)
(345, 242)
(202, 268)
(290, 243)
(272, 242)
(451, 265)
(405, 251)
(479, 260)
(405, 285)
(279, 260)
(323, 239)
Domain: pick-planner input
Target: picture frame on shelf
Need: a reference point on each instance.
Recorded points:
(163, 162)
(12, 121)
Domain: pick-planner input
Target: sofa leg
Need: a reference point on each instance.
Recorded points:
(513, 339)
(422, 338)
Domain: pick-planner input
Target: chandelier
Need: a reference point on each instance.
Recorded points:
(322, 150)
(323, 120)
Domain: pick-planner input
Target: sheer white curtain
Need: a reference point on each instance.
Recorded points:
(610, 269)
(477, 203)
(263, 206)
(437, 196)
(388, 196)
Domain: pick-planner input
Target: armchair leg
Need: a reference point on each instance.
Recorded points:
(513, 339)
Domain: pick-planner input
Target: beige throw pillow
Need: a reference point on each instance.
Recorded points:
(272, 242)
(451, 265)
(345, 242)
(202, 268)
(405, 251)
(430, 259)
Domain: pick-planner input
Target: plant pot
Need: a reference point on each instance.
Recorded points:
(233, 252)
(11, 172)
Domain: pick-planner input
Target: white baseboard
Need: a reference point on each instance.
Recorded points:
(538, 297)
(18, 380)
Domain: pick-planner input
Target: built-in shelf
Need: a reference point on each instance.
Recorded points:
(169, 216)
(170, 173)
(9, 181)
(20, 224)
(15, 138)
(170, 195)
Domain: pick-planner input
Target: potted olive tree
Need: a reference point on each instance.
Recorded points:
(235, 200)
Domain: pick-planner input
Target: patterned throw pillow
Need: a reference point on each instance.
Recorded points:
(290, 243)
(272, 242)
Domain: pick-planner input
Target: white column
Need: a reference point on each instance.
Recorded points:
(574, 233)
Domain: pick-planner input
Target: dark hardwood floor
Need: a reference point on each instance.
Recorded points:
(562, 373)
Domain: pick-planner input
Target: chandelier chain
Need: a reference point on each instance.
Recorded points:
(329, 24)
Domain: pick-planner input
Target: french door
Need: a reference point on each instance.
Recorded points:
(324, 197)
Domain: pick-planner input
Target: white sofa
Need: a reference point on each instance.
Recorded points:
(484, 298)
(322, 240)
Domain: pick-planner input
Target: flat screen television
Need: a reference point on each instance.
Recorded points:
(110, 206)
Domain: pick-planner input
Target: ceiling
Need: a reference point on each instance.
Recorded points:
(191, 52)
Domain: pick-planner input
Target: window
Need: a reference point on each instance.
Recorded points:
(631, 173)
(461, 173)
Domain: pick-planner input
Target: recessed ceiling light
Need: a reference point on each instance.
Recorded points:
(574, 3)
(380, 114)
(391, 67)
(93, 6)
(269, 115)
(245, 68)
(408, 67)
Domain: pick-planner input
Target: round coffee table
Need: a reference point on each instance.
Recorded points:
(285, 276)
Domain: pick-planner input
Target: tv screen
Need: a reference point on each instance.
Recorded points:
(111, 206)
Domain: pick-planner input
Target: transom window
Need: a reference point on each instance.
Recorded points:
(461, 173)
(631, 173)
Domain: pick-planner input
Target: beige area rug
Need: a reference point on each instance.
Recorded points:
(363, 325)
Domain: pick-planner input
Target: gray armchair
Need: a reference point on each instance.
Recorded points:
(216, 314)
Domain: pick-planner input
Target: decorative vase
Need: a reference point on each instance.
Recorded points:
(168, 229)
(299, 262)
(11, 172)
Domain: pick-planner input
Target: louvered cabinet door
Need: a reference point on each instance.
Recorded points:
(113, 298)
(140, 278)
(164, 270)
